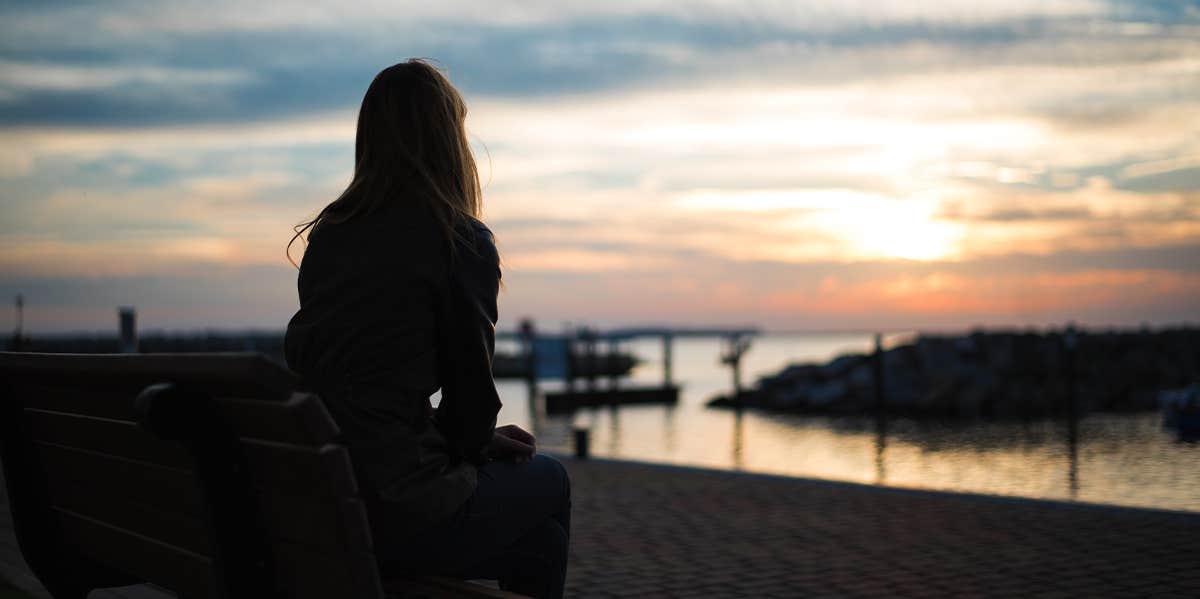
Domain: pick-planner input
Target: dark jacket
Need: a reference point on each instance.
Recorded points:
(387, 317)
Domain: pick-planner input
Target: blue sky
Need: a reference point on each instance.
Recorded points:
(787, 164)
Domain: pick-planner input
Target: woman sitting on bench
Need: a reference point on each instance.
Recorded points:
(398, 288)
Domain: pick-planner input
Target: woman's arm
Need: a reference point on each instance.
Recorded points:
(467, 412)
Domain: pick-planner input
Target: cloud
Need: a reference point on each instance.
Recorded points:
(18, 77)
(644, 160)
(249, 61)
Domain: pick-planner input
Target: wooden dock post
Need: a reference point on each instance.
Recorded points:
(732, 355)
(528, 333)
(877, 374)
(127, 319)
(590, 359)
(582, 441)
(569, 357)
(18, 337)
(666, 358)
(614, 377)
(1070, 346)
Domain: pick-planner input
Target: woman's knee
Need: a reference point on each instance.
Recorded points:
(555, 474)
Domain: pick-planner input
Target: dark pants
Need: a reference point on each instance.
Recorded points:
(513, 529)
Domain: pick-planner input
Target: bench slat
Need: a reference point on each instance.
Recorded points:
(330, 524)
(71, 470)
(325, 470)
(113, 437)
(162, 523)
(301, 419)
(175, 568)
(245, 374)
(296, 512)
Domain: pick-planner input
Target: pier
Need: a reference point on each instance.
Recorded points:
(577, 355)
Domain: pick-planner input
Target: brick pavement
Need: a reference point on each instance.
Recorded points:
(645, 530)
(664, 531)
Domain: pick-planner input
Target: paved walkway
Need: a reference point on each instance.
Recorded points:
(662, 531)
(668, 531)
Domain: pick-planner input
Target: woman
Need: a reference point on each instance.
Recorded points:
(398, 290)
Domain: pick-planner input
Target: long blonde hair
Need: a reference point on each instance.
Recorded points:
(411, 145)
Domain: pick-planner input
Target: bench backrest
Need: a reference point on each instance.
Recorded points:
(260, 499)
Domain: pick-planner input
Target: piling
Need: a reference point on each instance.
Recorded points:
(582, 441)
(18, 337)
(877, 374)
(666, 358)
(128, 340)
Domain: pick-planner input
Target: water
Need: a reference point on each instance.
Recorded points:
(1109, 458)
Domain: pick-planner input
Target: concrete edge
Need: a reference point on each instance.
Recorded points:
(1015, 500)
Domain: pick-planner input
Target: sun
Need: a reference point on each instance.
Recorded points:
(904, 229)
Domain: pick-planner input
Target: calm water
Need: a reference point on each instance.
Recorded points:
(1118, 459)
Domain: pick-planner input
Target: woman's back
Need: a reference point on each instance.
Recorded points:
(367, 303)
(372, 338)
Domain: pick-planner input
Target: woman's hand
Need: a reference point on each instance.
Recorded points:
(512, 444)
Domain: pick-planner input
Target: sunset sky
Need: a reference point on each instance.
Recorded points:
(791, 165)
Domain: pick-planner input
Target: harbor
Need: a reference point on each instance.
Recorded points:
(1119, 458)
(645, 394)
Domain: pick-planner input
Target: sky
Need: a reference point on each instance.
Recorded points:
(790, 165)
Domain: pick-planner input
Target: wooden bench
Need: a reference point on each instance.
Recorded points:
(209, 475)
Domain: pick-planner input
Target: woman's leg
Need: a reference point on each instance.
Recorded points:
(514, 528)
(536, 565)
(536, 489)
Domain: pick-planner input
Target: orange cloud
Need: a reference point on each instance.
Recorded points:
(1009, 294)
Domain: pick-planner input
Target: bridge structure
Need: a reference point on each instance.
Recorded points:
(552, 355)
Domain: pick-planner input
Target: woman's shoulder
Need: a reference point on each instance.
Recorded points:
(482, 237)
(480, 251)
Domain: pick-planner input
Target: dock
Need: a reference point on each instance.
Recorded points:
(565, 402)
(643, 530)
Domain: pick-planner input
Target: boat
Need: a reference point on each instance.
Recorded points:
(1181, 410)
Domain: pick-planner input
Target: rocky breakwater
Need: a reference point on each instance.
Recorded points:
(990, 374)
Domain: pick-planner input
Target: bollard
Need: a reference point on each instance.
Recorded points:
(581, 443)
(127, 341)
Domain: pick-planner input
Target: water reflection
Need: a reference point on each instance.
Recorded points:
(880, 448)
(738, 440)
(1108, 458)
(614, 426)
(1073, 457)
(668, 430)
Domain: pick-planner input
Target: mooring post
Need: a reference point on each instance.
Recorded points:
(569, 357)
(590, 358)
(1071, 345)
(128, 341)
(528, 345)
(736, 343)
(19, 332)
(877, 372)
(666, 358)
(581, 442)
(610, 362)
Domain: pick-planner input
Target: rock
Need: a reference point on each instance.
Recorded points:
(997, 374)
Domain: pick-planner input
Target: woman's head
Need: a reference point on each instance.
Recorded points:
(411, 146)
